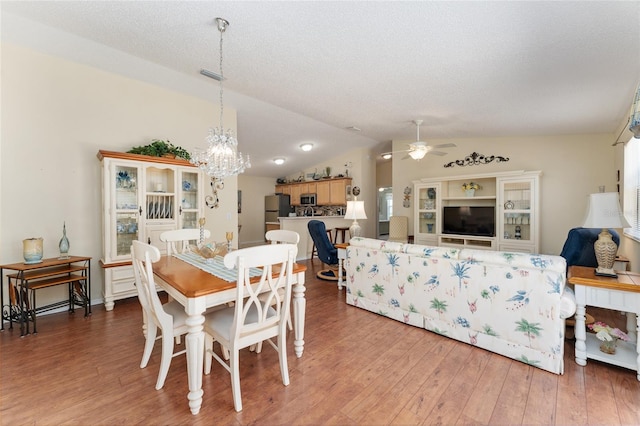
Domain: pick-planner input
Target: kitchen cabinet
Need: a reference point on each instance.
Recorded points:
(283, 189)
(330, 192)
(338, 191)
(142, 197)
(323, 193)
(296, 191)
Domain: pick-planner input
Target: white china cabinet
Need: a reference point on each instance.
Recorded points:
(427, 213)
(142, 197)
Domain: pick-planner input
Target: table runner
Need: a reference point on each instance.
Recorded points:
(215, 266)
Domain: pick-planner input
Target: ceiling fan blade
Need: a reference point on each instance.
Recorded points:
(405, 157)
(444, 145)
(437, 153)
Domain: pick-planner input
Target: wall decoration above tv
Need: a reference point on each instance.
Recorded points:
(475, 159)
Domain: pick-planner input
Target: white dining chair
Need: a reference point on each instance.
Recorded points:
(282, 236)
(178, 239)
(253, 319)
(170, 318)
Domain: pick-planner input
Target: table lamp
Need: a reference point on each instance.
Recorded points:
(604, 212)
(355, 211)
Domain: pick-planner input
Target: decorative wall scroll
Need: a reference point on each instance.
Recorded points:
(475, 159)
(407, 197)
(213, 201)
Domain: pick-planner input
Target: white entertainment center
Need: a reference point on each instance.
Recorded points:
(440, 203)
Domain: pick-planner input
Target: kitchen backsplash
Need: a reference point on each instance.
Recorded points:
(321, 211)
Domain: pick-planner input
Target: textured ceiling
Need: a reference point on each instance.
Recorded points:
(299, 71)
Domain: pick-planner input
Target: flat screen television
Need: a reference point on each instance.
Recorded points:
(479, 221)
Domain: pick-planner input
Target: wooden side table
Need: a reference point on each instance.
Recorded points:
(74, 271)
(342, 255)
(621, 294)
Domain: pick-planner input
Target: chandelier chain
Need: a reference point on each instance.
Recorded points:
(221, 158)
(221, 27)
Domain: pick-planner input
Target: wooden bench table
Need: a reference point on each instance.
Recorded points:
(75, 271)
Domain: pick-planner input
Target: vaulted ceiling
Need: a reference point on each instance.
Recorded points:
(311, 70)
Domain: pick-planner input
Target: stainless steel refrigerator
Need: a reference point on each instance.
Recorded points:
(275, 206)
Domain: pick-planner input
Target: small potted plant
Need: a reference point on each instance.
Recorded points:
(608, 336)
(160, 148)
(470, 188)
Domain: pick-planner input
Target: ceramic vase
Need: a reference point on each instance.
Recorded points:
(32, 250)
(64, 243)
(469, 192)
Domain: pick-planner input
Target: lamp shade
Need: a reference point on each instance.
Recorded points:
(355, 210)
(604, 212)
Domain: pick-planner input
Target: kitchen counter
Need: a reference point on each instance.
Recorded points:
(309, 217)
(299, 225)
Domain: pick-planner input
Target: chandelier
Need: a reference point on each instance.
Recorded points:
(220, 159)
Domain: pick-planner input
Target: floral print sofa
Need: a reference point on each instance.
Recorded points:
(513, 304)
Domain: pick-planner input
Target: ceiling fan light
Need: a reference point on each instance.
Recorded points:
(386, 155)
(418, 154)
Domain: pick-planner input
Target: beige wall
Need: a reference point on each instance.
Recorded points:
(56, 115)
(384, 175)
(253, 190)
(572, 167)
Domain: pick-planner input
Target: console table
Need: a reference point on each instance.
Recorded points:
(621, 294)
(75, 271)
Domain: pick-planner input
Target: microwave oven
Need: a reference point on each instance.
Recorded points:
(308, 199)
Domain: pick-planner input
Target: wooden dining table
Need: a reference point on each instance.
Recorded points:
(198, 290)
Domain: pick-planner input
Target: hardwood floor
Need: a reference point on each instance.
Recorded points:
(357, 368)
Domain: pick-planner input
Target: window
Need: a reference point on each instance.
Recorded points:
(631, 199)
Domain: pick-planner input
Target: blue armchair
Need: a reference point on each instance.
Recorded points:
(327, 252)
(578, 248)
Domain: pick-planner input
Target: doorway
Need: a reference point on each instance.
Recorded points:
(385, 210)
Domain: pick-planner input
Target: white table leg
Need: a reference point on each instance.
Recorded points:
(581, 334)
(299, 307)
(195, 357)
(637, 333)
(342, 255)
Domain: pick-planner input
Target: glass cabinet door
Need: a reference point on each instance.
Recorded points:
(189, 199)
(127, 213)
(427, 209)
(517, 214)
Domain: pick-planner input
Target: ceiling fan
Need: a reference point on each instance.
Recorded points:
(418, 149)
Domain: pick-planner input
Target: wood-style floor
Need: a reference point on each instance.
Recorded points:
(357, 368)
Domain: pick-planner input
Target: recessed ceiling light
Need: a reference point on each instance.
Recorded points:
(278, 160)
(386, 156)
(306, 146)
